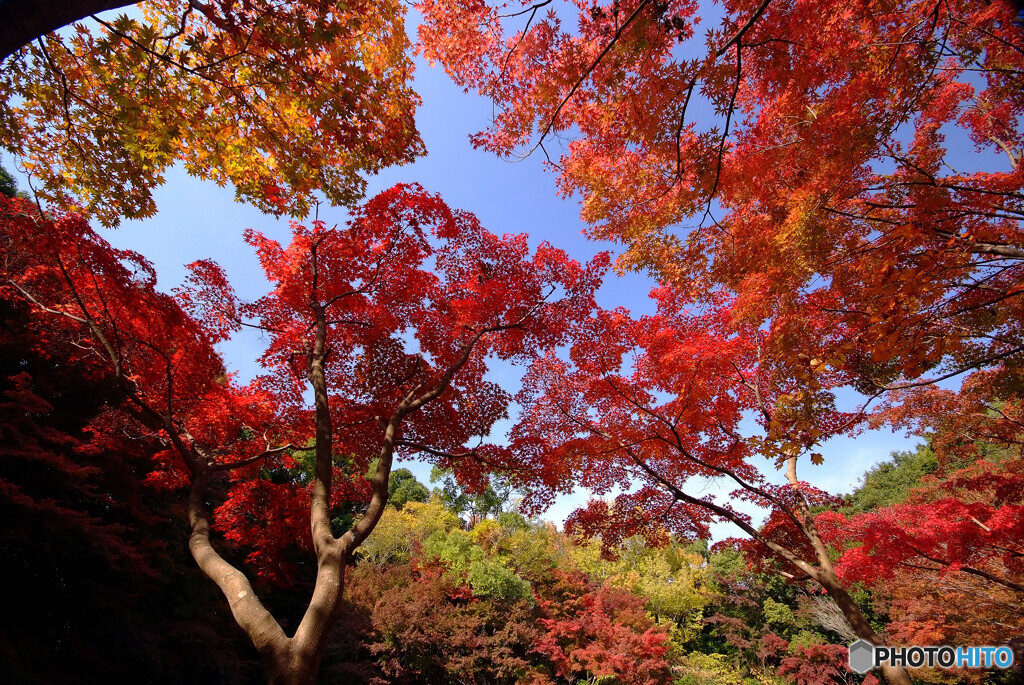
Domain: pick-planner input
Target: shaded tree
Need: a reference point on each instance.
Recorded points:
(105, 586)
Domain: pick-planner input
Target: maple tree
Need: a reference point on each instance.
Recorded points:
(429, 629)
(601, 632)
(105, 586)
(653, 406)
(795, 175)
(945, 564)
(800, 139)
(279, 99)
(970, 521)
(816, 665)
(388, 320)
(805, 156)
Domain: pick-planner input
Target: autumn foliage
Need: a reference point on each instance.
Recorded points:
(828, 194)
(503, 604)
(808, 158)
(945, 564)
(601, 632)
(795, 175)
(105, 585)
(346, 305)
(279, 99)
(970, 521)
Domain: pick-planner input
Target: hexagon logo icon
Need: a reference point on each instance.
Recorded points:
(862, 656)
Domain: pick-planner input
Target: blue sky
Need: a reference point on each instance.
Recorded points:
(198, 220)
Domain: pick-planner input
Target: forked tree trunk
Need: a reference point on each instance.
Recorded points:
(296, 660)
(289, 669)
(287, 660)
(292, 666)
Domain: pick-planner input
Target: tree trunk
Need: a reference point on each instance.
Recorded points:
(829, 581)
(826, 576)
(291, 669)
(296, 660)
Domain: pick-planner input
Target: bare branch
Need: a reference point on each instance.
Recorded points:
(222, 466)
